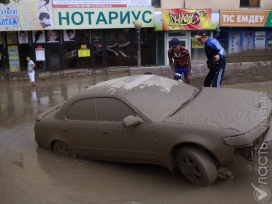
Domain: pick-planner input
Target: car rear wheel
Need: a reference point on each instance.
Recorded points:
(196, 165)
(63, 149)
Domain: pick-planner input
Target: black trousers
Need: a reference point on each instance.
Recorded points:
(214, 77)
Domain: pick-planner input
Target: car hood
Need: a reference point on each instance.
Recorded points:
(233, 109)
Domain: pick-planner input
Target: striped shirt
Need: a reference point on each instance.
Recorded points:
(180, 59)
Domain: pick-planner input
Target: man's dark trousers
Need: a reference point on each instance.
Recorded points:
(214, 77)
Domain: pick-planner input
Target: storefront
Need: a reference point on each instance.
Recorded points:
(246, 35)
(183, 24)
(58, 37)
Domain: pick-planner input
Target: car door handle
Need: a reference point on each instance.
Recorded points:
(105, 133)
(64, 130)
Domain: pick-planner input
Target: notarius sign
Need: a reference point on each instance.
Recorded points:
(102, 18)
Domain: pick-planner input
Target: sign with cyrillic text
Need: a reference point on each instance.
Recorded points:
(243, 18)
(106, 18)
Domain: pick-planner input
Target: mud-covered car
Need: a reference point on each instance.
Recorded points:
(152, 119)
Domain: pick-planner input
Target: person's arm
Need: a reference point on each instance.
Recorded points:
(32, 65)
(221, 52)
(172, 66)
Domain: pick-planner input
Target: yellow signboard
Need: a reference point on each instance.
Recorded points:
(84, 53)
(12, 38)
(13, 58)
(195, 44)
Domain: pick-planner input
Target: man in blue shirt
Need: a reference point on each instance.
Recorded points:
(216, 62)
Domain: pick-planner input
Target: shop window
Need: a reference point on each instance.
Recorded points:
(176, 33)
(70, 54)
(269, 42)
(160, 45)
(197, 51)
(148, 46)
(156, 3)
(118, 47)
(84, 60)
(97, 43)
(249, 3)
(83, 35)
(1, 53)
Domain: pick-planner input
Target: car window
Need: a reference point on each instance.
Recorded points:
(111, 109)
(158, 97)
(82, 110)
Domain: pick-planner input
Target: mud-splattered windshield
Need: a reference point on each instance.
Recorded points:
(159, 97)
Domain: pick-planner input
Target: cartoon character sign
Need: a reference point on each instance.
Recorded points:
(196, 17)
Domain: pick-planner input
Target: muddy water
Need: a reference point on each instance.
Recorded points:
(29, 174)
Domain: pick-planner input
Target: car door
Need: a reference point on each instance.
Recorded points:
(136, 144)
(79, 129)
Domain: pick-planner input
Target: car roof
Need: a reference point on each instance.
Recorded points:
(146, 93)
(115, 87)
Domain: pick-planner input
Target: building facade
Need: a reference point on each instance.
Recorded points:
(98, 34)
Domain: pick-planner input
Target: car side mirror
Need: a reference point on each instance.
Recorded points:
(131, 121)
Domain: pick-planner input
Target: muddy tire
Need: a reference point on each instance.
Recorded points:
(196, 165)
(63, 149)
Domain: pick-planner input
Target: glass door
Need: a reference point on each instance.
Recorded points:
(53, 57)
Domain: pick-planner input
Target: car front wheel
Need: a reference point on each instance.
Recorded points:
(196, 165)
(63, 149)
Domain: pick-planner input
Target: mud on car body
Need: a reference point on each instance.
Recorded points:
(152, 119)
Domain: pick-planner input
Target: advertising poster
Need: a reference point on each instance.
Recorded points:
(38, 36)
(234, 42)
(52, 36)
(186, 19)
(196, 44)
(36, 14)
(69, 35)
(22, 37)
(84, 53)
(40, 54)
(260, 40)
(12, 38)
(13, 58)
(248, 38)
(10, 18)
(158, 20)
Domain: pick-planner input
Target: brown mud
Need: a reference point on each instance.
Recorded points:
(29, 174)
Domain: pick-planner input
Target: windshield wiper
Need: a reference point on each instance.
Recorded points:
(196, 92)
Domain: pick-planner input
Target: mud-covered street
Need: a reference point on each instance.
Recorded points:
(29, 174)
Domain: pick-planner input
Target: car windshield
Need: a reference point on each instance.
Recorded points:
(160, 97)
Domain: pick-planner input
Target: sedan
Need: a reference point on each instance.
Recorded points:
(157, 120)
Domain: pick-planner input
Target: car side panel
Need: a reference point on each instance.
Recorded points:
(46, 131)
(169, 135)
(133, 144)
(82, 137)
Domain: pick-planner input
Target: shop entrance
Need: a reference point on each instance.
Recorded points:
(23, 53)
(52, 57)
